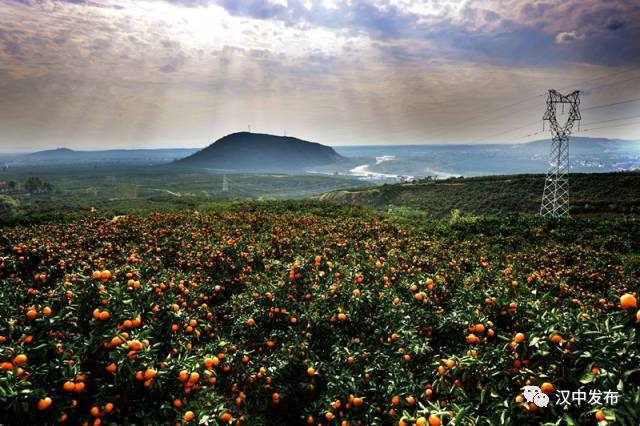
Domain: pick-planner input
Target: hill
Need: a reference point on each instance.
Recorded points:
(257, 152)
(591, 193)
(70, 156)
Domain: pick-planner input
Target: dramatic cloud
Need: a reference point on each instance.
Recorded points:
(184, 72)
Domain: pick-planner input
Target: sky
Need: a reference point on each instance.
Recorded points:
(103, 74)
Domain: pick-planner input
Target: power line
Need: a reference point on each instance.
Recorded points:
(612, 104)
(612, 119)
(463, 123)
(613, 82)
(504, 132)
(609, 127)
(599, 78)
(521, 139)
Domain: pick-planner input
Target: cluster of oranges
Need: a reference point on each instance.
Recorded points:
(265, 317)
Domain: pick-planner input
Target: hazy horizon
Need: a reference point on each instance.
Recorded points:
(107, 148)
(182, 73)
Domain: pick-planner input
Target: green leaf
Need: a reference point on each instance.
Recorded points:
(587, 378)
(569, 420)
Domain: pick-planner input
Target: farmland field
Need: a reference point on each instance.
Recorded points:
(307, 313)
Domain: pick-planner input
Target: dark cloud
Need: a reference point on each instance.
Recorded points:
(520, 32)
(485, 35)
(614, 24)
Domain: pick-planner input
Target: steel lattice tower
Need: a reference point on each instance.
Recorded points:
(555, 200)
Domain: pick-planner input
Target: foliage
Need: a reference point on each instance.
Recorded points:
(34, 184)
(8, 209)
(284, 313)
(489, 195)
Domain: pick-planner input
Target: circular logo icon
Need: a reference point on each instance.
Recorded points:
(541, 400)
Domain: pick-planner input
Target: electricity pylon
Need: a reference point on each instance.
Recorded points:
(555, 200)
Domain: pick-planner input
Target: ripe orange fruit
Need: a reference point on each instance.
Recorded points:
(342, 316)
(556, 338)
(473, 339)
(357, 401)
(479, 328)
(150, 373)
(434, 420)
(225, 417)
(628, 301)
(188, 416)
(311, 371)
(251, 322)
(44, 403)
(20, 359)
(600, 415)
(46, 311)
(108, 407)
(97, 275)
(32, 314)
(395, 400)
(547, 387)
(519, 338)
(69, 386)
(95, 411)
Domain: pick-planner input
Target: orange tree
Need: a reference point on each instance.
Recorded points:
(265, 315)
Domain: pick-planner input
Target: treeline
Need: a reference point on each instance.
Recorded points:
(31, 185)
(11, 191)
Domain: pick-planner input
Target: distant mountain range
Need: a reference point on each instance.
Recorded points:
(69, 156)
(579, 144)
(258, 152)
